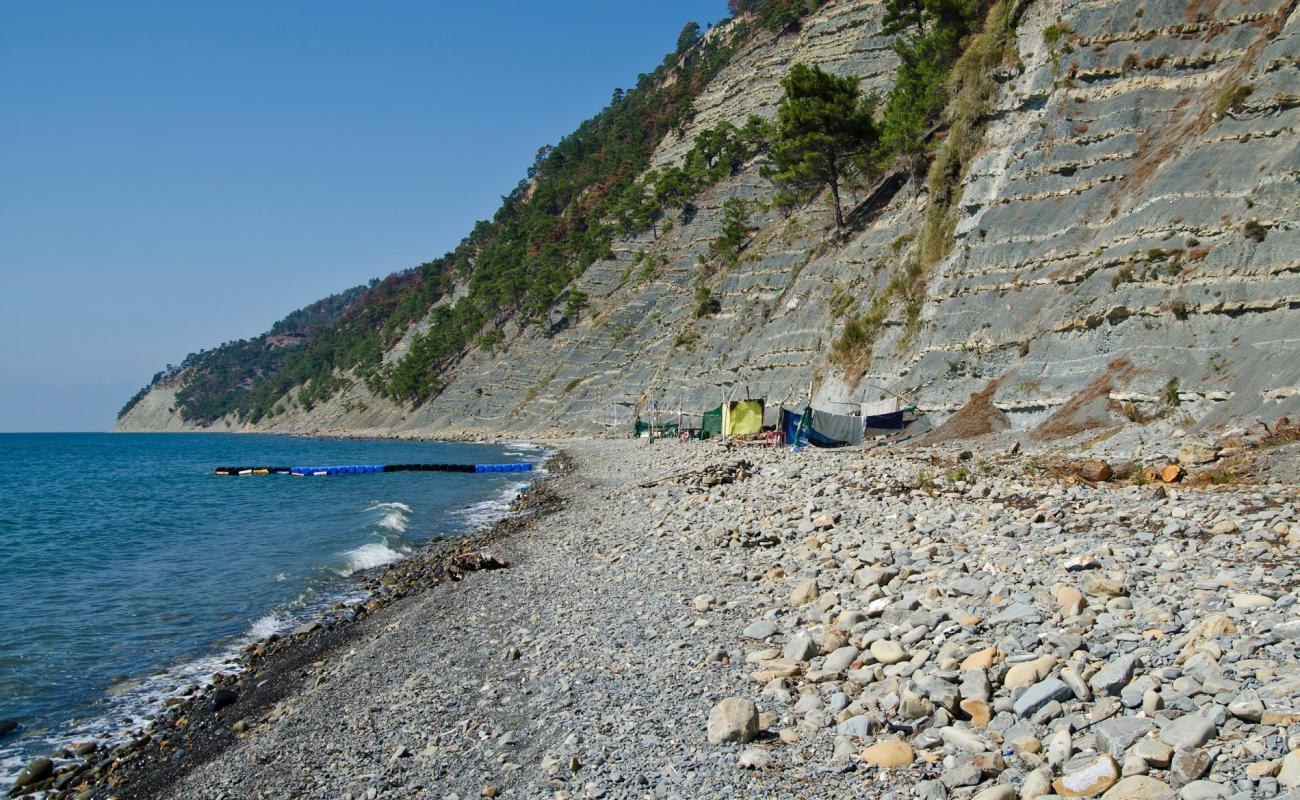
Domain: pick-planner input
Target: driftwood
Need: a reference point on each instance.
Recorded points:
(461, 564)
(656, 481)
(706, 477)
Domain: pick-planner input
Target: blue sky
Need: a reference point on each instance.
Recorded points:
(175, 175)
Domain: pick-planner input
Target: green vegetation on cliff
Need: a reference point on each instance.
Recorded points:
(594, 185)
(945, 76)
(824, 133)
(560, 218)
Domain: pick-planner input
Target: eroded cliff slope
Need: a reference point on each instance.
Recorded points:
(1123, 240)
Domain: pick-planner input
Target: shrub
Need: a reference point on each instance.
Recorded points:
(1233, 99)
(706, 305)
(841, 302)
(620, 332)
(1171, 392)
(1055, 32)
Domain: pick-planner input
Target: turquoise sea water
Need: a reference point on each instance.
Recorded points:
(126, 557)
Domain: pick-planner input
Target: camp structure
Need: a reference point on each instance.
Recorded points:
(742, 417)
(815, 426)
(652, 430)
(822, 428)
(732, 418)
(711, 423)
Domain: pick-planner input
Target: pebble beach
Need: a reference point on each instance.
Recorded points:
(687, 620)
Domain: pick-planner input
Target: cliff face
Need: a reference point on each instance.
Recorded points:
(1126, 234)
(1122, 226)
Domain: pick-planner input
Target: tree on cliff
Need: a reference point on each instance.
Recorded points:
(824, 132)
(940, 28)
(901, 15)
(690, 35)
(734, 232)
(578, 300)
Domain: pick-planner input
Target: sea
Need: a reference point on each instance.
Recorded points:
(133, 572)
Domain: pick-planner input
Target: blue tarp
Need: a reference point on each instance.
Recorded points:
(811, 427)
(790, 426)
(893, 422)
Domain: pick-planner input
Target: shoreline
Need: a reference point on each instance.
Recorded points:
(313, 631)
(689, 621)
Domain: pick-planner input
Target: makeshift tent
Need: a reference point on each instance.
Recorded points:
(837, 427)
(790, 422)
(879, 407)
(890, 422)
(667, 429)
(711, 422)
(772, 417)
(816, 439)
(744, 417)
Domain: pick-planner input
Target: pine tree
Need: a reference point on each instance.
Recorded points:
(735, 229)
(577, 302)
(690, 35)
(901, 15)
(824, 129)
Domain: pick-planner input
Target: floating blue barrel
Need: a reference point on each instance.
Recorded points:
(354, 469)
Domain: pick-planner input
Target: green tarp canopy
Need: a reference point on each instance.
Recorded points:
(668, 429)
(711, 423)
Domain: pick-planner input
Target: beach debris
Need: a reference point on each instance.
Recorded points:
(699, 480)
(222, 698)
(461, 564)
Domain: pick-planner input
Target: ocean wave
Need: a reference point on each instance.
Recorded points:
(402, 507)
(393, 521)
(11, 763)
(265, 626)
(369, 556)
(396, 518)
(493, 510)
(133, 704)
(129, 709)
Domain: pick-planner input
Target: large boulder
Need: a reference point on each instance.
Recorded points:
(735, 719)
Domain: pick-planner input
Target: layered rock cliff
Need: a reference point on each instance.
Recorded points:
(1124, 241)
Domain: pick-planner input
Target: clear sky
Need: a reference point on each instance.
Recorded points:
(176, 175)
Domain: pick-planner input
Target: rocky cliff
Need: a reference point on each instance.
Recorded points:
(1123, 243)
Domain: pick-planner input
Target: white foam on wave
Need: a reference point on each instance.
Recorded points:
(396, 518)
(11, 763)
(489, 512)
(265, 626)
(135, 703)
(369, 556)
(493, 510)
(393, 521)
